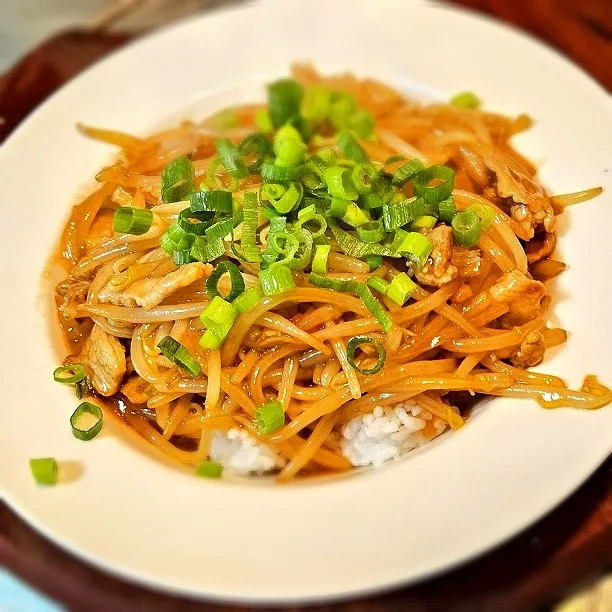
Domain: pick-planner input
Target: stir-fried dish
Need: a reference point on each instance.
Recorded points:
(312, 284)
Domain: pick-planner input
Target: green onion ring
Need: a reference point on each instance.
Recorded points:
(70, 374)
(94, 430)
(357, 341)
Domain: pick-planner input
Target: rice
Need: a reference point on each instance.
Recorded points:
(240, 453)
(386, 433)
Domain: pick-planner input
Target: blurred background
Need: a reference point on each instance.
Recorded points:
(26, 23)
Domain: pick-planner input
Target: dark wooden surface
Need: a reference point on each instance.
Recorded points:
(565, 550)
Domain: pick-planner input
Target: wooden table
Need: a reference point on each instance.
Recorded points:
(567, 549)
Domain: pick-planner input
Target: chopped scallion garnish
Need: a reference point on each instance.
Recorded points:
(401, 288)
(44, 470)
(209, 469)
(319, 261)
(466, 228)
(247, 300)
(235, 279)
(136, 221)
(175, 352)
(351, 349)
(219, 317)
(269, 417)
(178, 180)
(69, 374)
(86, 421)
(432, 194)
(276, 279)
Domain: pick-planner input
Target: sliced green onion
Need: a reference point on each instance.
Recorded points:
(277, 225)
(402, 213)
(319, 261)
(203, 220)
(303, 254)
(284, 97)
(263, 121)
(339, 183)
(374, 261)
(44, 470)
(316, 103)
(180, 257)
(249, 228)
(216, 179)
(70, 374)
(236, 281)
(343, 105)
(179, 355)
(167, 244)
(353, 246)
(222, 228)
(176, 234)
(484, 212)
(269, 417)
(354, 343)
(362, 123)
(209, 469)
(219, 317)
(362, 176)
(276, 279)
(88, 430)
(135, 221)
(83, 387)
(378, 284)
(256, 144)
(406, 172)
(355, 217)
(466, 99)
(271, 192)
(290, 199)
(394, 159)
(207, 249)
(247, 300)
(178, 180)
(350, 148)
(337, 208)
(447, 209)
(359, 289)
(466, 228)
(318, 220)
(416, 247)
(432, 194)
(224, 119)
(210, 341)
(371, 201)
(271, 172)
(372, 231)
(284, 243)
(289, 147)
(230, 157)
(401, 288)
(424, 222)
(216, 200)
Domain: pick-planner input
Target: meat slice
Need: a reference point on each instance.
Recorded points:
(104, 358)
(69, 294)
(149, 292)
(523, 295)
(531, 203)
(531, 352)
(438, 269)
(468, 261)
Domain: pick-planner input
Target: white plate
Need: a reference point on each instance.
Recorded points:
(134, 514)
